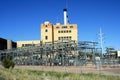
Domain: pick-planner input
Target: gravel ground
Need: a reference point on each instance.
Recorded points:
(75, 69)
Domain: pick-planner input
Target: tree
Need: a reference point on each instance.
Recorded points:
(7, 63)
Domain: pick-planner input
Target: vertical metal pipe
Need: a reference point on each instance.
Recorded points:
(52, 34)
(65, 16)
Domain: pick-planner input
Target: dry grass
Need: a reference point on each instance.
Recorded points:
(15, 74)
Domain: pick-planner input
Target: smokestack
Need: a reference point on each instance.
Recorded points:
(65, 16)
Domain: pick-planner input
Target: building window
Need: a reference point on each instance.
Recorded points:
(62, 38)
(23, 45)
(64, 26)
(69, 31)
(46, 25)
(46, 30)
(71, 26)
(57, 27)
(70, 37)
(67, 37)
(59, 38)
(66, 31)
(46, 37)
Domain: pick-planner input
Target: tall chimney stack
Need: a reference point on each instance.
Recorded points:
(65, 16)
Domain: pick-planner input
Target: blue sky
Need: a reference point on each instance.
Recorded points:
(21, 19)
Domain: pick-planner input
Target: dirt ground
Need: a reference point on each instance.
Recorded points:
(108, 70)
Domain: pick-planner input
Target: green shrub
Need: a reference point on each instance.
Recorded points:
(12, 64)
(7, 63)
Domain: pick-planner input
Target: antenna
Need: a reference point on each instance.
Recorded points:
(66, 6)
(67, 9)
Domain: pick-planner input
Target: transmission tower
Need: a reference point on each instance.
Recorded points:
(101, 41)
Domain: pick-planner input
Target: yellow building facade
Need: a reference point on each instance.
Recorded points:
(28, 43)
(50, 32)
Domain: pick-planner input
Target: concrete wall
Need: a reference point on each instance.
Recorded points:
(118, 53)
(9, 44)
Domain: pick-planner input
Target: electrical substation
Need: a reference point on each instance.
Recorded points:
(59, 53)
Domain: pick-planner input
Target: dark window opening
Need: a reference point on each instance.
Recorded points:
(46, 37)
(69, 31)
(59, 38)
(46, 30)
(71, 26)
(64, 26)
(57, 27)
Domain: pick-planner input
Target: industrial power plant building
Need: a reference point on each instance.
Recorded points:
(52, 33)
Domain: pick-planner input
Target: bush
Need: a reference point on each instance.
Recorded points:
(6, 63)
